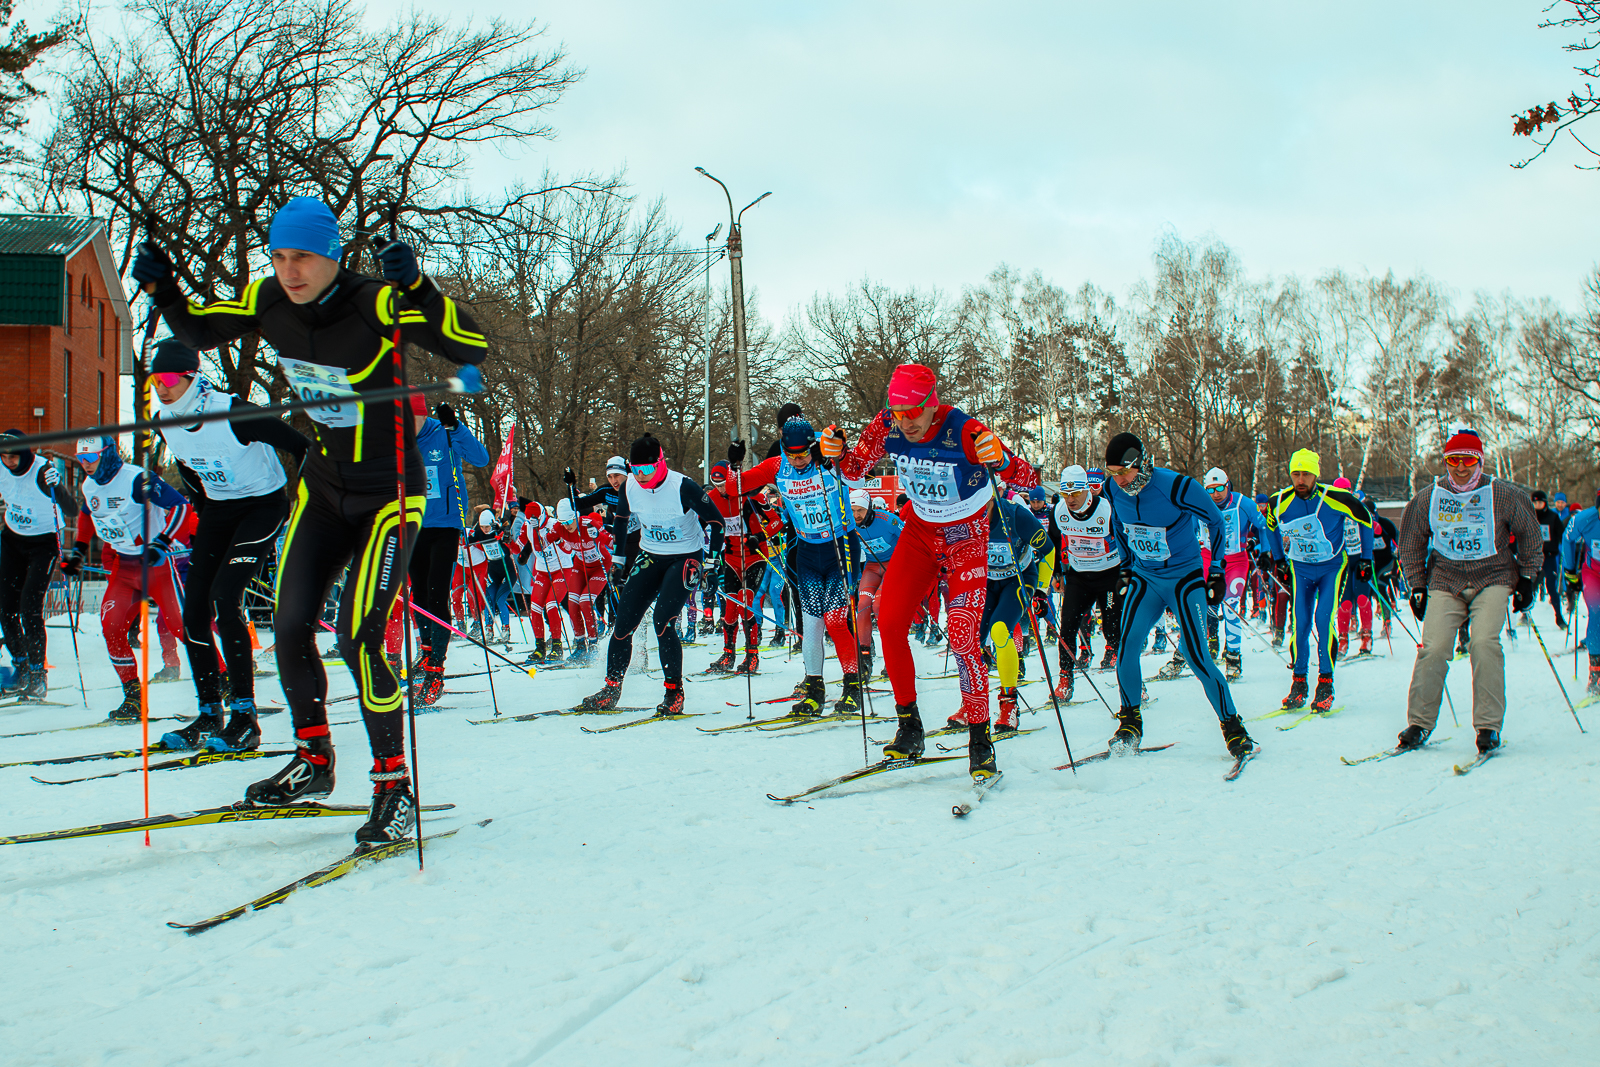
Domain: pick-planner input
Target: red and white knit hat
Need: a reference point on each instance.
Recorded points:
(1464, 442)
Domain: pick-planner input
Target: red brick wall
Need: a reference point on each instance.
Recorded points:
(33, 360)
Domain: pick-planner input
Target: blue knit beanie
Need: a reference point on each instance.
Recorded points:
(305, 223)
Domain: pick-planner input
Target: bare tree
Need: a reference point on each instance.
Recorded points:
(20, 49)
(1582, 16)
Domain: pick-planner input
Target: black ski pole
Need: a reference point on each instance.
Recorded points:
(845, 576)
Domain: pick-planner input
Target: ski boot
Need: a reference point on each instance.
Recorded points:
(1297, 694)
(779, 640)
(1384, 633)
(1594, 675)
(554, 652)
(604, 700)
(37, 687)
(393, 660)
(1277, 637)
(723, 664)
(1238, 741)
(812, 692)
(1160, 644)
(192, 735)
(582, 653)
(1412, 737)
(537, 656)
(849, 702)
(671, 701)
(980, 753)
(505, 635)
(1344, 646)
(920, 632)
(1085, 653)
(1488, 740)
(1172, 668)
(1213, 644)
(1322, 700)
(1050, 632)
(309, 776)
(394, 810)
(1108, 662)
(1461, 642)
(1006, 725)
(128, 711)
(430, 684)
(935, 635)
(908, 739)
(1232, 665)
(242, 734)
(476, 633)
(864, 666)
(1063, 690)
(1129, 732)
(1365, 648)
(751, 664)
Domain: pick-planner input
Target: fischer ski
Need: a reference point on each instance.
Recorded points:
(1098, 756)
(322, 876)
(641, 722)
(980, 789)
(530, 716)
(1308, 716)
(1390, 753)
(757, 722)
(865, 772)
(1238, 765)
(1480, 760)
(997, 738)
(122, 753)
(201, 759)
(239, 812)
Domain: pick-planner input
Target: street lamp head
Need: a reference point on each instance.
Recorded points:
(712, 236)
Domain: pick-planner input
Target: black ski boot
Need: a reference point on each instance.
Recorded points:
(430, 685)
(1297, 693)
(169, 673)
(128, 711)
(309, 776)
(813, 692)
(1412, 737)
(1085, 654)
(37, 688)
(604, 700)
(242, 734)
(751, 664)
(1233, 732)
(723, 664)
(1488, 740)
(1323, 699)
(582, 653)
(1277, 637)
(536, 657)
(393, 816)
(864, 666)
(671, 701)
(1129, 732)
(779, 640)
(1232, 665)
(908, 740)
(980, 752)
(935, 635)
(1173, 667)
(191, 735)
(849, 702)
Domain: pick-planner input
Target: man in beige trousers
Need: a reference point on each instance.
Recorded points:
(1459, 561)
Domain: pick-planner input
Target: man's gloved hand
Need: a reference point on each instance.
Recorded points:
(1284, 573)
(1522, 596)
(399, 264)
(711, 572)
(1124, 580)
(1574, 583)
(446, 416)
(72, 562)
(157, 551)
(1419, 602)
(831, 443)
(151, 267)
(568, 477)
(1215, 590)
(736, 453)
(52, 477)
(991, 453)
(1364, 569)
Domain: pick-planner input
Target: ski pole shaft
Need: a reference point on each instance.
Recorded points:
(1563, 685)
(426, 614)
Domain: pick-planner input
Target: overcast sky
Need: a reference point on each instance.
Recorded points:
(923, 143)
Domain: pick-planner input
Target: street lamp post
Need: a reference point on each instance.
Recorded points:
(706, 337)
(735, 261)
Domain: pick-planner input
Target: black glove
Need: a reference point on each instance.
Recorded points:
(1124, 579)
(157, 551)
(568, 477)
(1419, 602)
(446, 416)
(522, 557)
(1215, 590)
(399, 263)
(152, 267)
(1523, 595)
(711, 572)
(1284, 572)
(1364, 569)
(1574, 583)
(71, 562)
(736, 453)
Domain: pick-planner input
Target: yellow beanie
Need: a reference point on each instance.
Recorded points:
(1307, 461)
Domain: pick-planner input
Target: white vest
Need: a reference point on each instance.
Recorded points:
(117, 518)
(1088, 542)
(29, 512)
(1462, 523)
(228, 470)
(665, 529)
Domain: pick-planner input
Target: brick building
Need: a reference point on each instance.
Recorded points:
(65, 329)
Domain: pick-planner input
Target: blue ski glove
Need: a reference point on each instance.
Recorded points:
(470, 379)
(399, 264)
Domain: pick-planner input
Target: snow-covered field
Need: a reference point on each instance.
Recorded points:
(637, 900)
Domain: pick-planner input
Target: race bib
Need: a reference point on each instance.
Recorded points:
(660, 534)
(1149, 543)
(212, 472)
(1352, 537)
(313, 381)
(1463, 523)
(21, 517)
(111, 532)
(492, 549)
(733, 526)
(1230, 531)
(928, 480)
(1087, 549)
(1000, 559)
(434, 492)
(1305, 541)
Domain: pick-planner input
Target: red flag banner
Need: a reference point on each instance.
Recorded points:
(501, 478)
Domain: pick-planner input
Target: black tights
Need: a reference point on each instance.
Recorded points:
(25, 566)
(230, 543)
(666, 580)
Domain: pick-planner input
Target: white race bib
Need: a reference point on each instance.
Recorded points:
(1149, 543)
(932, 481)
(313, 381)
(1305, 541)
(1462, 523)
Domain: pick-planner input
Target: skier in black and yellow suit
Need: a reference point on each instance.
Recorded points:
(333, 332)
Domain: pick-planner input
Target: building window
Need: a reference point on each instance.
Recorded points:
(100, 402)
(66, 305)
(66, 389)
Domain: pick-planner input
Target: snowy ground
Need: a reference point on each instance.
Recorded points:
(638, 900)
